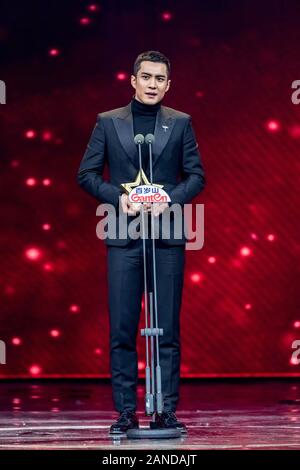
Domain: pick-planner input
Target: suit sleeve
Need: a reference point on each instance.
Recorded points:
(193, 181)
(91, 168)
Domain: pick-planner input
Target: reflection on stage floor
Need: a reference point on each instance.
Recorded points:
(219, 415)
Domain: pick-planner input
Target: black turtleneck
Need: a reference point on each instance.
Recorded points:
(144, 116)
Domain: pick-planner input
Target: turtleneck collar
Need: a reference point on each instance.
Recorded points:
(141, 108)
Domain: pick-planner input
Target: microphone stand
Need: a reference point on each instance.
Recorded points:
(156, 376)
(153, 396)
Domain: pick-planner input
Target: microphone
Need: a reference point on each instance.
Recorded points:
(139, 139)
(149, 139)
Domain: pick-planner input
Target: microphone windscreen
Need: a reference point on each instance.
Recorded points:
(149, 139)
(139, 139)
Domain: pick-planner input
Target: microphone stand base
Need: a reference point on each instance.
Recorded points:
(152, 433)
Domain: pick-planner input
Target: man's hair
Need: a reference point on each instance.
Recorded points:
(152, 56)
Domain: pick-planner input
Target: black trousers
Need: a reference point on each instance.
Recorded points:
(125, 289)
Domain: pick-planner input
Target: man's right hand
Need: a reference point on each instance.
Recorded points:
(128, 207)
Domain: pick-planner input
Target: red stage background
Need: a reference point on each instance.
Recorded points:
(233, 63)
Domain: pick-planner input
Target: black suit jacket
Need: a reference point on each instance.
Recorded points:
(176, 161)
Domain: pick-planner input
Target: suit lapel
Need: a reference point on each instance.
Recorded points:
(123, 123)
(163, 127)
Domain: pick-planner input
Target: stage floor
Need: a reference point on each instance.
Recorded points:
(219, 415)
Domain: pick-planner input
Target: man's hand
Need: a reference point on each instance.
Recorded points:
(128, 207)
(159, 208)
(132, 209)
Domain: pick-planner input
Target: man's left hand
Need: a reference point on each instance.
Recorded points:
(159, 208)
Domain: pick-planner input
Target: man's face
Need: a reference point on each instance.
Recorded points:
(151, 82)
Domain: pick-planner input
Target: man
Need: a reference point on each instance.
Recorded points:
(175, 156)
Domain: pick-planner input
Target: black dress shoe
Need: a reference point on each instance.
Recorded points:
(127, 420)
(168, 420)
